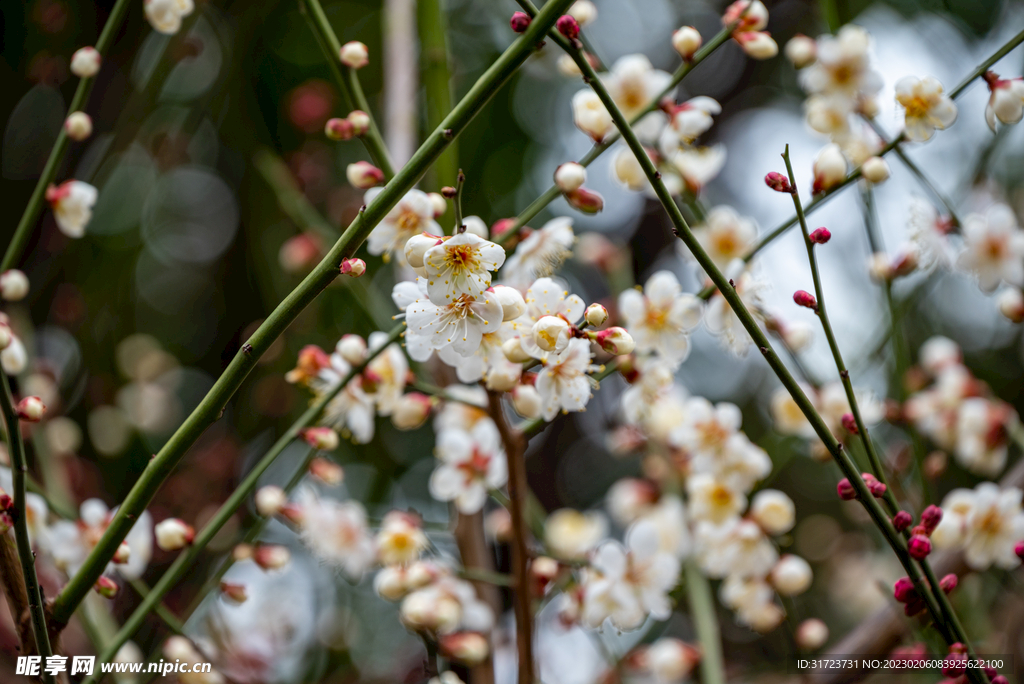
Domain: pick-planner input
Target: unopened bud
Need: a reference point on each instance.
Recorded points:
(418, 245)
(903, 590)
(526, 401)
(233, 591)
(757, 44)
(293, 512)
(78, 126)
(512, 348)
(551, 333)
(411, 411)
(820, 236)
(805, 299)
(902, 520)
(811, 634)
(875, 170)
(596, 315)
(269, 500)
(31, 409)
(364, 175)
(801, 51)
(1019, 550)
(327, 471)
(322, 438)
(931, 516)
(339, 129)
(468, 648)
(242, 552)
(845, 490)
(829, 168)
(271, 556)
(438, 204)
(85, 63)
(686, 42)
(568, 26)
(6, 336)
(850, 424)
(123, 554)
(13, 285)
(173, 534)
(570, 176)
(360, 121)
(299, 253)
(919, 546)
(355, 55)
(615, 340)
(948, 583)
(583, 11)
(106, 587)
(586, 201)
(353, 268)
(520, 21)
(543, 571)
(352, 348)
(777, 182)
(1010, 302)
(449, 192)
(512, 303)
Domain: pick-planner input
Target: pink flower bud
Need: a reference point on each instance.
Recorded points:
(850, 424)
(805, 299)
(586, 201)
(123, 554)
(360, 121)
(173, 534)
(6, 502)
(902, 520)
(930, 518)
(919, 546)
(543, 571)
(106, 587)
(568, 26)
(364, 175)
(903, 590)
(327, 471)
(271, 556)
(520, 21)
(845, 490)
(339, 129)
(999, 679)
(502, 226)
(233, 591)
(468, 648)
(615, 340)
(31, 409)
(949, 583)
(820, 236)
(353, 268)
(293, 512)
(322, 438)
(355, 55)
(777, 182)
(1019, 550)
(411, 411)
(877, 488)
(78, 126)
(811, 634)
(954, 664)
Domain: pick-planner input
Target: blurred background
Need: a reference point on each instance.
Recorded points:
(218, 190)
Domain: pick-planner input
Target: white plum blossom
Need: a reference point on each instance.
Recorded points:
(982, 426)
(165, 15)
(725, 235)
(722, 321)
(472, 463)
(698, 166)
(986, 523)
(539, 254)
(337, 533)
(929, 235)
(634, 84)
(843, 67)
(689, 121)
(570, 534)
(754, 602)
(1006, 101)
(446, 605)
(590, 115)
(546, 297)
(413, 214)
(927, 108)
(563, 383)
(661, 317)
(69, 543)
(711, 435)
(72, 203)
(460, 266)
(787, 416)
(735, 547)
(460, 325)
(712, 500)
(993, 248)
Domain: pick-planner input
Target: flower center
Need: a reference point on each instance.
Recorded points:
(992, 523)
(656, 318)
(917, 107)
(408, 220)
(460, 257)
(726, 243)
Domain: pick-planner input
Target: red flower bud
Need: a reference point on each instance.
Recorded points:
(903, 590)
(914, 607)
(567, 26)
(930, 518)
(339, 129)
(586, 201)
(805, 299)
(777, 182)
(352, 267)
(955, 663)
(845, 490)
(820, 236)
(1019, 550)
(106, 587)
(31, 409)
(877, 488)
(850, 424)
(949, 583)
(520, 21)
(1000, 679)
(902, 520)
(919, 546)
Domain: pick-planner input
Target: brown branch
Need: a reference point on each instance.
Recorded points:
(14, 589)
(469, 535)
(515, 447)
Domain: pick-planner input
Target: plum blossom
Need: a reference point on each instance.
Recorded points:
(754, 602)
(413, 214)
(725, 235)
(563, 383)
(590, 115)
(982, 429)
(165, 15)
(661, 317)
(444, 606)
(540, 254)
(460, 266)
(460, 324)
(735, 547)
(634, 84)
(698, 166)
(723, 322)
(986, 523)
(993, 248)
(570, 534)
(68, 543)
(472, 463)
(72, 203)
(546, 297)
(843, 67)
(337, 533)
(929, 234)
(927, 108)
(712, 500)
(1006, 101)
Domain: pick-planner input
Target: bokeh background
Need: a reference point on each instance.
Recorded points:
(209, 155)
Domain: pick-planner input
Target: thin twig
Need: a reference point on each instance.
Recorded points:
(705, 620)
(460, 182)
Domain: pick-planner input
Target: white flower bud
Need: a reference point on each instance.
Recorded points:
(411, 411)
(352, 348)
(173, 534)
(801, 51)
(78, 125)
(355, 55)
(503, 377)
(512, 303)
(360, 121)
(811, 634)
(513, 351)
(773, 511)
(570, 176)
(322, 438)
(551, 333)
(583, 11)
(271, 556)
(880, 267)
(85, 63)
(270, 500)
(363, 175)
(1010, 300)
(468, 648)
(615, 341)
(686, 41)
(829, 168)
(596, 315)
(180, 648)
(590, 114)
(766, 617)
(475, 226)
(31, 409)
(418, 245)
(875, 170)
(758, 44)
(14, 357)
(752, 16)
(438, 203)
(526, 401)
(791, 575)
(390, 583)
(6, 336)
(123, 554)
(13, 285)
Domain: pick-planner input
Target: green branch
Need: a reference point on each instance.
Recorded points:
(436, 78)
(705, 622)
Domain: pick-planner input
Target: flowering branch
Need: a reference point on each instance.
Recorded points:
(60, 147)
(20, 515)
(980, 70)
(347, 81)
(210, 408)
